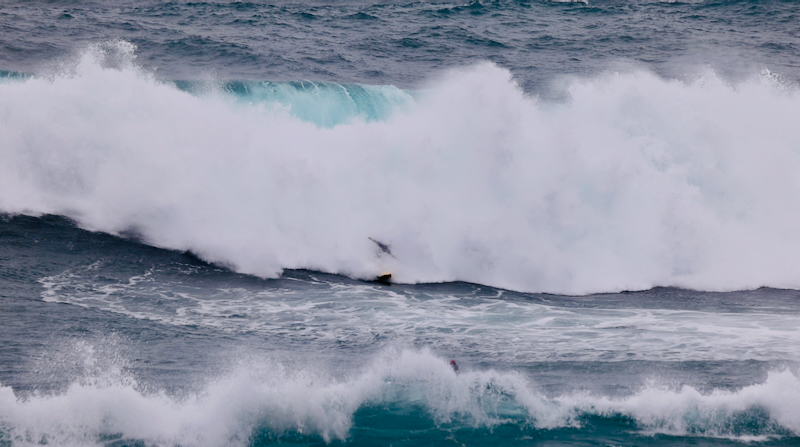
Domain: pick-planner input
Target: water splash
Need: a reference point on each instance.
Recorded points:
(637, 182)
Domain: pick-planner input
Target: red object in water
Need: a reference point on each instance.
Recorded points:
(454, 365)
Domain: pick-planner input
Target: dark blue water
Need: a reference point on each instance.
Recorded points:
(590, 207)
(406, 44)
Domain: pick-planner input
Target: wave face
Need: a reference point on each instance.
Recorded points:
(325, 104)
(636, 181)
(266, 401)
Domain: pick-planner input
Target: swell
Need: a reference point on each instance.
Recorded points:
(636, 182)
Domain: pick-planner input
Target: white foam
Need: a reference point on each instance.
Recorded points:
(268, 394)
(638, 181)
(687, 411)
(258, 394)
(505, 330)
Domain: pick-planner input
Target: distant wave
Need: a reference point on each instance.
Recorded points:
(636, 182)
(268, 399)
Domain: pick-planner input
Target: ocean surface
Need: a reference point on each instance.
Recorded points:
(593, 208)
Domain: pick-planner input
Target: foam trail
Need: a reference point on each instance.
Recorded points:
(636, 182)
(506, 330)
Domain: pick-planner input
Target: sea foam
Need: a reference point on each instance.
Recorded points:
(264, 395)
(506, 329)
(637, 181)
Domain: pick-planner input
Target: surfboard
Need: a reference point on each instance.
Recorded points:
(385, 278)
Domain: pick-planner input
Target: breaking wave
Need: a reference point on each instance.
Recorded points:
(637, 181)
(261, 400)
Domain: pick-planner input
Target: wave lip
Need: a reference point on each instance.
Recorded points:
(325, 104)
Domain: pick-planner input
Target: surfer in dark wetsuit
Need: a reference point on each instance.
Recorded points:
(454, 365)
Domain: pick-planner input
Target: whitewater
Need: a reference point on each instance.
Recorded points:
(635, 182)
(284, 400)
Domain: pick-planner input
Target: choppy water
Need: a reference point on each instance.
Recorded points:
(591, 207)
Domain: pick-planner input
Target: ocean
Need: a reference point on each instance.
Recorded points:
(592, 208)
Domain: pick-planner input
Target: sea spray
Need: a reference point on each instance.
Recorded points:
(637, 181)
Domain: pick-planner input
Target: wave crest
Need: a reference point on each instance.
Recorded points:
(636, 182)
(269, 399)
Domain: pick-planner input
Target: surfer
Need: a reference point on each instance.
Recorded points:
(383, 248)
(454, 365)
